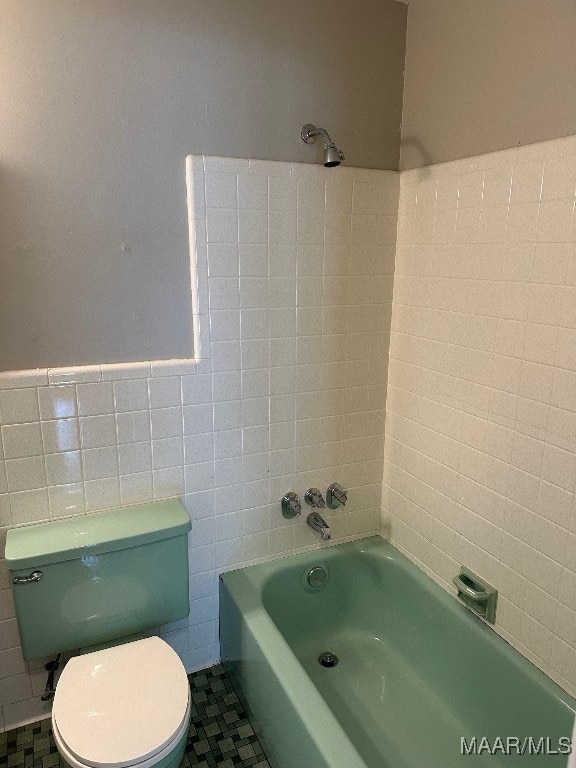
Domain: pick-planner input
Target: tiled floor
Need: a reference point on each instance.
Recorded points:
(220, 733)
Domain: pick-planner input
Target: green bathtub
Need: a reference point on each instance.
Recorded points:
(420, 681)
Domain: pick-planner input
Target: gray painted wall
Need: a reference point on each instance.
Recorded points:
(484, 75)
(101, 102)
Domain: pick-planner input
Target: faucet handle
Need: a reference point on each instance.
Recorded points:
(291, 505)
(314, 498)
(336, 496)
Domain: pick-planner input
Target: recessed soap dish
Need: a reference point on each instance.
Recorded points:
(476, 594)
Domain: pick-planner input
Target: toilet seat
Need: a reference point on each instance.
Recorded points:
(122, 706)
(178, 741)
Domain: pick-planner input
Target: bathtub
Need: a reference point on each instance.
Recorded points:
(417, 672)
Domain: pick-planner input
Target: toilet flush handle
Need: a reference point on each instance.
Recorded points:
(34, 576)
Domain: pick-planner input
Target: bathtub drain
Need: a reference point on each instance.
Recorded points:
(328, 659)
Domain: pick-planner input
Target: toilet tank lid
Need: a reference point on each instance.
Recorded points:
(97, 533)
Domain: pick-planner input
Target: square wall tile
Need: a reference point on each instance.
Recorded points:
(21, 440)
(222, 225)
(252, 226)
(134, 458)
(220, 190)
(60, 435)
(131, 395)
(223, 260)
(253, 259)
(95, 399)
(102, 494)
(99, 463)
(224, 293)
(57, 402)
(97, 431)
(63, 468)
(282, 193)
(253, 192)
(25, 474)
(198, 448)
(66, 500)
(168, 482)
(166, 422)
(29, 506)
(168, 452)
(555, 221)
(136, 488)
(18, 405)
(165, 392)
(133, 427)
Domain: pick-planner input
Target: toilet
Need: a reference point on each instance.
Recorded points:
(92, 584)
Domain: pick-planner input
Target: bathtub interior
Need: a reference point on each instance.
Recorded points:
(417, 670)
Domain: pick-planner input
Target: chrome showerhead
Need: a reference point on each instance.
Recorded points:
(332, 155)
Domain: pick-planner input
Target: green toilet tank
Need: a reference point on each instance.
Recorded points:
(104, 576)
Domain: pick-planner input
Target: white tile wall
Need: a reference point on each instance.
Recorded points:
(480, 464)
(294, 268)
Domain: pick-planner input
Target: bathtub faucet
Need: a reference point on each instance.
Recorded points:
(317, 523)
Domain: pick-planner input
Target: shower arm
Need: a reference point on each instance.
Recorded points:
(309, 133)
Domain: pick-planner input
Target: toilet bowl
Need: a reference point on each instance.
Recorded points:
(128, 705)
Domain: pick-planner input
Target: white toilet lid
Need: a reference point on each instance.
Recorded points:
(121, 705)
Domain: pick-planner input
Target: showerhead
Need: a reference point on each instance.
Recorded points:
(332, 155)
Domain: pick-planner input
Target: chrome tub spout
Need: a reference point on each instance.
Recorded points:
(317, 523)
